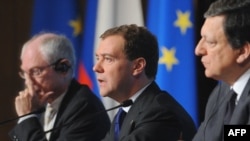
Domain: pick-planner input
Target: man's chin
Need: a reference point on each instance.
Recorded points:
(104, 94)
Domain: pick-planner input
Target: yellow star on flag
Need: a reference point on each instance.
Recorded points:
(183, 21)
(168, 58)
(77, 26)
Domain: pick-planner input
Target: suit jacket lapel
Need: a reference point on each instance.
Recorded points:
(136, 109)
(220, 103)
(240, 114)
(74, 86)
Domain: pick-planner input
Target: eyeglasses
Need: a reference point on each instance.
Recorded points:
(35, 72)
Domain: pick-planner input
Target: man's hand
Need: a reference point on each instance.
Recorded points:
(31, 98)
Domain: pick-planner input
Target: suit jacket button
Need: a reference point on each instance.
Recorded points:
(15, 138)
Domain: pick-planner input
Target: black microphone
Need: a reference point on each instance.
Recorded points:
(125, 103)
(39, 111)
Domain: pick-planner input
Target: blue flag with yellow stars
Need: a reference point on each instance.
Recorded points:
(172, 22)
(65, 17)
(58, 16)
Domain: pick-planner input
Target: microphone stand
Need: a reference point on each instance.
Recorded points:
(39, 111)
(125, 103)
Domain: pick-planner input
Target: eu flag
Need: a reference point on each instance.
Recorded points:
(172, 22)
(58, 16)
(65, 17)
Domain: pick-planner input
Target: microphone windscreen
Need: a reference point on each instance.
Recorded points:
(127, 103)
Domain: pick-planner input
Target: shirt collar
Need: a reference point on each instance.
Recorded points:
(240, 84)
(135, 96)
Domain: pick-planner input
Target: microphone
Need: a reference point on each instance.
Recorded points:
(39, 111)
(125, 103)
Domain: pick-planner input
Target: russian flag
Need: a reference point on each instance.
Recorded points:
(85, 73)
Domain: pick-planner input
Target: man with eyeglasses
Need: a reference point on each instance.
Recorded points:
(47, 67)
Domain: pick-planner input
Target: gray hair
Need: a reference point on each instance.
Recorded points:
(55, 47)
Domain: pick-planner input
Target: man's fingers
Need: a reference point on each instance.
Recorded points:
(45, 97)
(30, 85)
(23, 103)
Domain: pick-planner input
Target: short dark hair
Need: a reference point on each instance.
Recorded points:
(139, 42)
(237, 19)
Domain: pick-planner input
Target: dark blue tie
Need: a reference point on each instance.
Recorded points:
(230, 107)
(118, 122)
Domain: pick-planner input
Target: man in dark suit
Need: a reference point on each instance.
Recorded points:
(126, 66)
(47, 66)
(224, 48)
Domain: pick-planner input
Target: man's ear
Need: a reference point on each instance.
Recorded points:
(62, 65)
(139, 65)
(244, 53)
